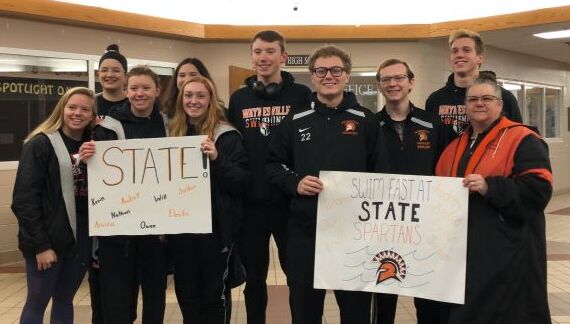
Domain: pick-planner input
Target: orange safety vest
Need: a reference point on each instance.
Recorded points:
(494, 156)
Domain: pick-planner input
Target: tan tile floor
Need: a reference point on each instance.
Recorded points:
(13, 285)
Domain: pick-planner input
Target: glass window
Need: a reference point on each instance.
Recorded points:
(533, 107)
(30, 86)
(540, 105)
(552, 113)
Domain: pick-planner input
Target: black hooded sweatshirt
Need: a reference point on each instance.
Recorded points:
(257, 116)
(449, 104)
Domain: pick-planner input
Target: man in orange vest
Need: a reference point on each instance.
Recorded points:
(506, 167)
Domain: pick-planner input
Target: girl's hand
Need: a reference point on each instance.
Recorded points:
(86, 150)
(45, 259)
(209, 148)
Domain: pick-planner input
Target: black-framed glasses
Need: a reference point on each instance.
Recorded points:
(321, 72)
(398, 78)
(486, 99)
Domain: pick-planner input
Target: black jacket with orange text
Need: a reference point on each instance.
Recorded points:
(257, 118)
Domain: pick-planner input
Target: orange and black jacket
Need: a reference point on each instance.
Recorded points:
(506, 243)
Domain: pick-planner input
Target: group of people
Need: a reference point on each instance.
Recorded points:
(265, 181)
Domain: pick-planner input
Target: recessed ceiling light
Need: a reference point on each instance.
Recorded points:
(554, 34)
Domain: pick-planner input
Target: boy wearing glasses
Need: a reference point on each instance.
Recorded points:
(415, 139)
(335, 134)
(256, 111)
(467, 53)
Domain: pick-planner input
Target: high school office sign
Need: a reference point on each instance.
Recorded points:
(397, 234)
(149, 186)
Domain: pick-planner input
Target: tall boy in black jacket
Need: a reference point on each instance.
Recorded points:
(467, 53)
(256, 111)
(336, 134)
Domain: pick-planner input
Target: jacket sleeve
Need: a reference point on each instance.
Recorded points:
(511, 106)
(431, 105)
(231, 165)
(529, 188)
(280, 160)
(377, 159)
(28, 191)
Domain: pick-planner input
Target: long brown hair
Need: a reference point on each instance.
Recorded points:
(55, 121)
(207, 125)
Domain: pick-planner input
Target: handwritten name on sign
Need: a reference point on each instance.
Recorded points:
(388, 233)
(149, 186)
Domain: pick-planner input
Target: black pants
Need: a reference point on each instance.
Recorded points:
(259, 223)
(306, 302)
(95, 294)
(123, 259)
(200, 269)
(427, 311)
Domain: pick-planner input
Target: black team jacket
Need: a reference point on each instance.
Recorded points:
(346, 138)
(257, 117)
(424, 139)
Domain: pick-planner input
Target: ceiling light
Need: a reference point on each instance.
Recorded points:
(554, 34)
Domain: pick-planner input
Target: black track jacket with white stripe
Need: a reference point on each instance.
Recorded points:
(423, 141)
(345, 138)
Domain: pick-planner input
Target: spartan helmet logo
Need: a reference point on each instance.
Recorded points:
(392, 265)
(264, 129)
(422, 135)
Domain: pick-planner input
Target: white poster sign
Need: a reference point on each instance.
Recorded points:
(387, 233)
(149, 186)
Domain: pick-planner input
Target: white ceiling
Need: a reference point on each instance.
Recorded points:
(320, 12)
(358, 12)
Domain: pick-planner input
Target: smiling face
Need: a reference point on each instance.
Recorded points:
(267, 58)
(485, 108)
(186, 72)
(77, 114)
(464, 57)
(112, 75)
(196, 101)
(329, 88)
(142, 91)
(394, 84)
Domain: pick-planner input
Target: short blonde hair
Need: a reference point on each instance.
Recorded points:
(466, 33)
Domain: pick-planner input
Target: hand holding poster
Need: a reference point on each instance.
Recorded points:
(388, 233)
(149, 186)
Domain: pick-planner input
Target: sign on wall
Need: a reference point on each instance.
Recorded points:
(149, 186)
(397, 234)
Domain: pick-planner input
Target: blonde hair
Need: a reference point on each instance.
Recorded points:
(466, 33)
(55, 121)
(207, 125)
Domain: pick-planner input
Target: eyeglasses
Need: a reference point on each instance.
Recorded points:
(487, 99)
(396, 78)
(321, 72)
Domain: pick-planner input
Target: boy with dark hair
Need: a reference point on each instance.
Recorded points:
(256, 111)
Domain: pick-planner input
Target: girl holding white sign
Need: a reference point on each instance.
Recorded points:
(201, 260)
(125, 258)
(50, 203)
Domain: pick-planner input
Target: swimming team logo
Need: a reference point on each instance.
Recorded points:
(423, 139)
(264, 129)
(392, 265)
(349, 127)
